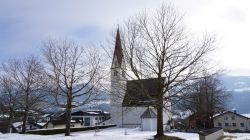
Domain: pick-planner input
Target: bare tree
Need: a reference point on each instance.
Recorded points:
(157, 45)
(206, 97)
(8, 98)
(27, 75)
(76, 73)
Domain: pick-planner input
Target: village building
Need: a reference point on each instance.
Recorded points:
(130, 99)
(90, 118)
(29, 126)
(78, 119)
(232, 121)
(196, 121)
(60, 123)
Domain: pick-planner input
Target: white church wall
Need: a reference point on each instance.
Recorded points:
(118, 88)
(149, 124)
(131, 116)
(166, 118)
(116, 115)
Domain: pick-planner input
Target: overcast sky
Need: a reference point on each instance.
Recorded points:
(25, 23)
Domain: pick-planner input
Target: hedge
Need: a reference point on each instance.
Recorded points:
(62, 130)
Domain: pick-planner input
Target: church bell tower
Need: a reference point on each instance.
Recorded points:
(118, 82)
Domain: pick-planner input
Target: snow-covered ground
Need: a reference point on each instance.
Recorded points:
(237, 136)
(104, 134)
(112, 134)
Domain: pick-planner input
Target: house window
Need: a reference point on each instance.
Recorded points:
(115, 73)
(226, 124)
(219, 124)
(234, 124)
(225, 118)
(242, 124)
(233, 117)
(96, 118)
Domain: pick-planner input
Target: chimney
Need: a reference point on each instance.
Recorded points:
(235, 111)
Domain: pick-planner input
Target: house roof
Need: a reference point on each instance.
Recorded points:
(46, 115)
(42, 124)
(118, 48)
(141, 92)
(149, 113)
(16, 124)
(226, 112)
(89, 113)
(80, 113)
(246, 115)
(58, 122)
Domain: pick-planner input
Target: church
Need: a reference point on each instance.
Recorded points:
(130, 107)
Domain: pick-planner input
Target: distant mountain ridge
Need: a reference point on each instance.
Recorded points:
(236, 82)
(239, 87)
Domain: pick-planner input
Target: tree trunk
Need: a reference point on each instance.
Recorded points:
(25, 116)
(211, 121)
(68, 116)
(10, 120)
(160, 131)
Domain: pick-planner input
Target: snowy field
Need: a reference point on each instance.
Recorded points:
(237, 136)
(113, 134)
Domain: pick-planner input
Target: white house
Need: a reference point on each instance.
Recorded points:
(126, 99)
(90, 118)
(232, 121)
(60, 123)
(79, 119)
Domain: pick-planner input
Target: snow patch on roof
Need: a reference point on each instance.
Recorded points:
(90, 112)
(246, 115)
(4, 116)
(16, 124)
(45, 115)
(41, 124)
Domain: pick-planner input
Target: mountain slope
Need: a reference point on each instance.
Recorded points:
(239, 87)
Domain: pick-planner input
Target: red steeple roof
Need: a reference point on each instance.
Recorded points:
(118, 48)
